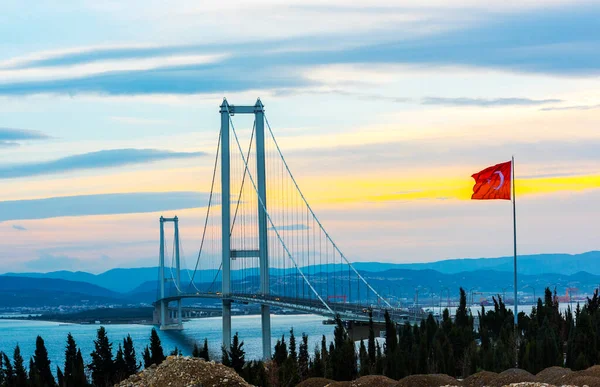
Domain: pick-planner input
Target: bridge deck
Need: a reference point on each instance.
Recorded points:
(345, 310)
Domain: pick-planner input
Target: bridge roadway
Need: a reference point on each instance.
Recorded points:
(347, 311)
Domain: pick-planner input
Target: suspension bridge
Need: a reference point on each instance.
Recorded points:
(261, 243)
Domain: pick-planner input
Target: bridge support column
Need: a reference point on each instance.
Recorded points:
(265, 314)
(177, 268)
(225, 224)
(227, 324)
(263, 237)
(161, 269)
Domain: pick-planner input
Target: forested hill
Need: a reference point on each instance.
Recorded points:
(40, 292)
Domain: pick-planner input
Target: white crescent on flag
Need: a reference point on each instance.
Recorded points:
(501, 180)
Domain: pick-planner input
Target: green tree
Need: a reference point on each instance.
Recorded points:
(70, 361)
(293, 353)
(225, 359)
(371, 343)
(74, 369)
(131, 364)
(363, 358)
(343, 358)
(303, 358)
(281, 352)
(2, 376)
(204, 351)
(7, 371)
(146, 357)
(157, 354)
(19, 368)
(102, 366)
(392, 368)
(79, 377)
(42, 363)
(317, 370)
(60, 378)
(120, 366)
(34, 376)
(237, 355)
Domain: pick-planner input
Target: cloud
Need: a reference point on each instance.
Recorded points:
(18, 227)
(484, 102)
(101, 204)
(11, 137)
(345, 93)
(92, 160)
(531, 41)
(577, 107)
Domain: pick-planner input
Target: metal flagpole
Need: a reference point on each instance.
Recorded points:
(516, 316)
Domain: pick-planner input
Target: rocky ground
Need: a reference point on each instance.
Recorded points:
(179, 371)
(194, 372)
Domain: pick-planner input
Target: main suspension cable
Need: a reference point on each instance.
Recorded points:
(317, 219)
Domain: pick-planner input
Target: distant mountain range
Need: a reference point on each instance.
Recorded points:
(490, 275)
(126, 280)
(528, 264)
(51, 292)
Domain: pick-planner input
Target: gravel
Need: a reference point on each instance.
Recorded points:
(480, 379)
(315, 382)
(513, 375)
(428, 381)
(178, 371)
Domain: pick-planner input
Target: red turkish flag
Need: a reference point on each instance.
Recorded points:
(493, 182)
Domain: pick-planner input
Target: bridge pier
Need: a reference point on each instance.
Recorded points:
(265, 314)
(227, 323)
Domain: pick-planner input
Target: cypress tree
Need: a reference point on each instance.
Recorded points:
(2, 368)
(175, 352)
(157, 354)
(60, 377)
(293, 353)
(316, 369)
(120, 365)
(7, 371)
(324, 357)
(147, 357)
(363, 358)
(225, 360)
(196, 351)
(78, 376)
(393, 368)
(371, 344)
(303, 358)
(131, 364)
(42, 363)
(281, 352)
(378, 359)
(204, 352)
(34, 376)
(344, 356)
(103, 365)
(70, 361)
(19, 368)
(330, 365)
(237, 354)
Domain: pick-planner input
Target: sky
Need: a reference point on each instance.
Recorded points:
(109, 118)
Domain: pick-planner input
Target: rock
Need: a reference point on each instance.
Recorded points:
(178, 371)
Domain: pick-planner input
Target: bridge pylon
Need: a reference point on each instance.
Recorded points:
(262, 253)
(167, 319)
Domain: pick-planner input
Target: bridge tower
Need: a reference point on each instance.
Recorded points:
(166, 320)
(262, 252)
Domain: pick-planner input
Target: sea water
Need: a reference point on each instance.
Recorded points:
(24, 333)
